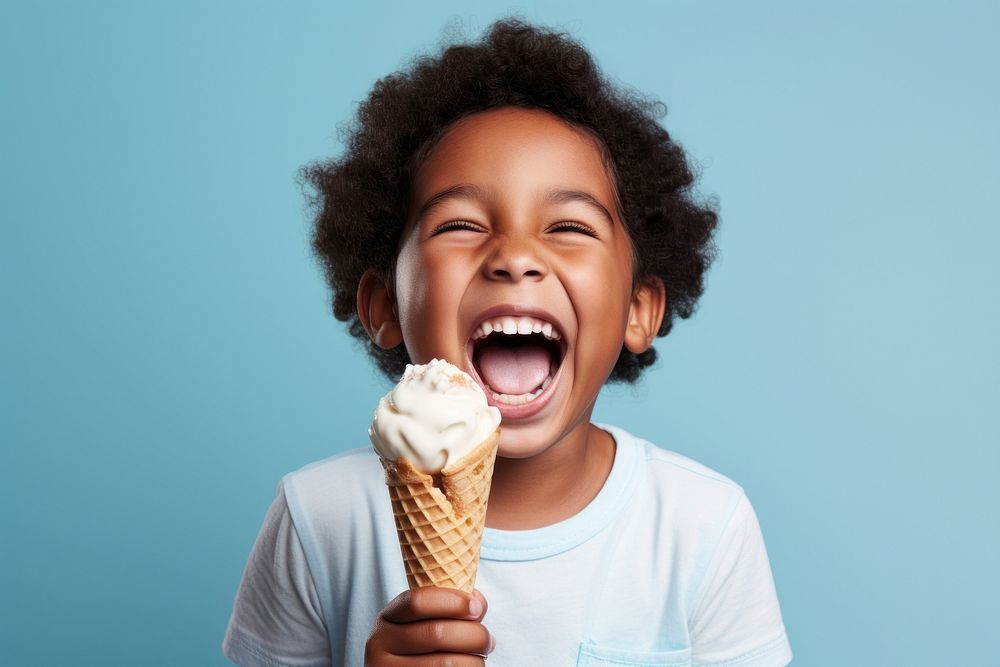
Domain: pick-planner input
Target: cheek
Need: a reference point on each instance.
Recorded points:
(426, 287)
(411, 284)
(601, 291)
(601, 287)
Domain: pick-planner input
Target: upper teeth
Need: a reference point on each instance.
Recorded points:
(516, 325)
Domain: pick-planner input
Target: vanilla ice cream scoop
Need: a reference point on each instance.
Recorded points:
(435, 415)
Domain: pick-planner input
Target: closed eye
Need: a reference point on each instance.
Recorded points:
(570, 226)
(456, 225)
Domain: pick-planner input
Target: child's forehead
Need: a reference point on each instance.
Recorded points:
(512, 121)
(515, 145)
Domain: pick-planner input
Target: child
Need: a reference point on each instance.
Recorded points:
(506, 182)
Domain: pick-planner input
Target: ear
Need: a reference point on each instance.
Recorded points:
(645, 314)
(377, 310)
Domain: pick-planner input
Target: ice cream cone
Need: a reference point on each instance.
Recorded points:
(440, 518)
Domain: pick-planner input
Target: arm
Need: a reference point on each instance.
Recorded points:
(276, 618)
(737, 620)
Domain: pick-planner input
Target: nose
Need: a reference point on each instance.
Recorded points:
(515, 259)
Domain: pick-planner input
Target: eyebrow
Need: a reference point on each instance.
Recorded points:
(562, 196)
(553, 196)
(461, 191)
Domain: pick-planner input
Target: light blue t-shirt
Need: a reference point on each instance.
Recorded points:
(666, 566)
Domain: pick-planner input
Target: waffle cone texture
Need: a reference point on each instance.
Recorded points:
(440, 518)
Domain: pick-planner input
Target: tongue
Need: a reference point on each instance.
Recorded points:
(514, 370)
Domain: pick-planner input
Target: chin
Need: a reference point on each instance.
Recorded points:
(515, 443)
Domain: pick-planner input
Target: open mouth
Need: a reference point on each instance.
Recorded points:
(516, 358)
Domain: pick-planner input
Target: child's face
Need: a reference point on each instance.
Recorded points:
(507, 244)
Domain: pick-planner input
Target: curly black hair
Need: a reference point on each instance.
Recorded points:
(361, 198)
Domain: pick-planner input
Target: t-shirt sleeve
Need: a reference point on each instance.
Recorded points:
(277, 620)
(737, 620)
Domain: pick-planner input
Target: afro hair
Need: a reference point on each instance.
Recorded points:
(360, 198)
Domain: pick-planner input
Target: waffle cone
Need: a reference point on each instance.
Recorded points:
(440, 518)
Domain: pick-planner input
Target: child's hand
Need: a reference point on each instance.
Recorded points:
(430, 626)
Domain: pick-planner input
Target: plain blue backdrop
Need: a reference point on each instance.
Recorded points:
(168, 350)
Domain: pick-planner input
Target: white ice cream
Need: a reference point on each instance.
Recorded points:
(435, 415)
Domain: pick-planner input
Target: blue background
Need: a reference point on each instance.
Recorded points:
(168, 351)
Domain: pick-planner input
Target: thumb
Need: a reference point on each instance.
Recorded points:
(476, 593)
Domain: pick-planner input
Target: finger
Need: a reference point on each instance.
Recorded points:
(432, 602)
(435, 660)
(482, 598)
(440, 634)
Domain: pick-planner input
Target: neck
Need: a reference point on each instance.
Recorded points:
(552, 486)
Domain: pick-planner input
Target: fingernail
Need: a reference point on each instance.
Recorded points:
(493, 644)
(475, 607)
